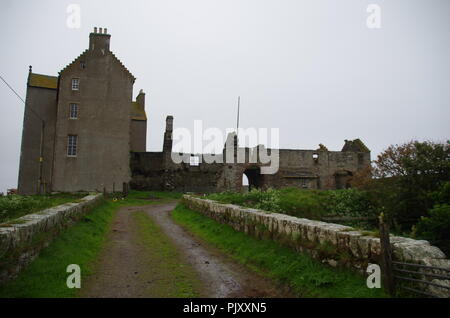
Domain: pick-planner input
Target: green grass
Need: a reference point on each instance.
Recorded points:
(306, 276)
(15, 206)
(172, 277)
(79, 244)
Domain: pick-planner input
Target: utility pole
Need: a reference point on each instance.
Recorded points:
(41, 158)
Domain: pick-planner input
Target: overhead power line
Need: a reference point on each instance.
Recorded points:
(13, 90)
(20, 97)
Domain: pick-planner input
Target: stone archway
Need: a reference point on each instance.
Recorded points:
(254, 177)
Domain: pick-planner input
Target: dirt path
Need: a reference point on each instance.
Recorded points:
(127, 268)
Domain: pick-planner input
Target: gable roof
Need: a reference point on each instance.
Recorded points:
(136, 112)
(114, 59)
(123, 67)
(43, 81)
(75, 60)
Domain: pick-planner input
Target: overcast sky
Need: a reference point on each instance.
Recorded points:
(311, 68)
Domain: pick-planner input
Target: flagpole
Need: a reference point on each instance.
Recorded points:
(237, 124)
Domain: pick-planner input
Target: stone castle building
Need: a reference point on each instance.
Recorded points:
(83, 132)
(87, 121)
(306, 169)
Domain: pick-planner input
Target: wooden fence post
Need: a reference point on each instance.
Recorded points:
(387, 272)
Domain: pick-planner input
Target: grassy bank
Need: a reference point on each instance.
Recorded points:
(307, 277)
(171, 278)
(15, 206)
(310, 204)
(80, 244)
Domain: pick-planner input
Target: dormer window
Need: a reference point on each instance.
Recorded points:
(75, 84)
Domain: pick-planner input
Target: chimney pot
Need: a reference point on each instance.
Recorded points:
(95, 29)
(106, 31)
(100, 30)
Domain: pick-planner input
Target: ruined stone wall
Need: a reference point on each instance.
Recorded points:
(152, 171)
(298, 168)
(157, 171)
(21, 240)
(309, 169)
(334, 244)
(138, 135)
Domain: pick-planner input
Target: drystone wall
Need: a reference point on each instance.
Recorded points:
(334, 244)
(21, 240)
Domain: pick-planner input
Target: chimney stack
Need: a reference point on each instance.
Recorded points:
(167, 144)
(99, 41)
(140, 99)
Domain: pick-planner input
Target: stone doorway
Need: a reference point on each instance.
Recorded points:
(342, 179)
(254, 177)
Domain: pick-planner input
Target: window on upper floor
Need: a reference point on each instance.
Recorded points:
(82, 64)
(73, 111)
(75, 84)
(315, 157)
(72, 142)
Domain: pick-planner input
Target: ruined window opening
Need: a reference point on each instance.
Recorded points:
(83, 65)
(194, 160)
(315, 157)
(72, 145)
(73, 112)
(360, 158)
(75, 84)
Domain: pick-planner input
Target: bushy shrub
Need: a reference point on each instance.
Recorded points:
(268, 200)
(408, 177)
(349, 202)
(14, 206)
(436, 227)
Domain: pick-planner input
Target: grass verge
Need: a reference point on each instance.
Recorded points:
(79, 244)
(171, 275)
(306, 276)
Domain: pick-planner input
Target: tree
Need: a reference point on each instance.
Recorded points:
(411, 173)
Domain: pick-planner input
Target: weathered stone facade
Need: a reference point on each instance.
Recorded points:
(101, 144)
(310, 169)
(104, 123)
(22, 239)
(333, 244)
